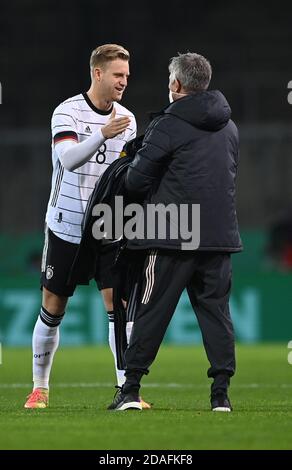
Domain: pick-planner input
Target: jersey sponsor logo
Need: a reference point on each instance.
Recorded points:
(87, 129)
(49, 272)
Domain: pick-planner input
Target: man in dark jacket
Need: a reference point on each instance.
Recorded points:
(189, 157)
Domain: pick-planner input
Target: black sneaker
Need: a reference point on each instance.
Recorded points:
(116, 399)
(220, 402)
(125, 401)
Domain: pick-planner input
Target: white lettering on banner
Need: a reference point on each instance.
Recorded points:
(85, 321)
(245, 312)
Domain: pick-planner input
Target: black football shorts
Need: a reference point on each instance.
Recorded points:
(58, 256)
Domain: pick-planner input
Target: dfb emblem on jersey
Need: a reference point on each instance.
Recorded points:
(49, 272)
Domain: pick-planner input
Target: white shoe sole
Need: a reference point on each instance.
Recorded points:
(222, 408)
(132, 405)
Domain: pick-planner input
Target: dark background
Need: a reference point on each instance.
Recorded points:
(44, 58)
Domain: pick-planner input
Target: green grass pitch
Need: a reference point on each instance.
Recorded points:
(82, 386)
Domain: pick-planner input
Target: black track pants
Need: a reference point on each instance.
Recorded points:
(207, 277)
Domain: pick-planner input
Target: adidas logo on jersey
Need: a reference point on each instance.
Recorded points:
(87, 129)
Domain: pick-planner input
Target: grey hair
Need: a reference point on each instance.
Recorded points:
(192, 70)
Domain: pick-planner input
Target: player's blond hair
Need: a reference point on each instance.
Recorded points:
(101, 55)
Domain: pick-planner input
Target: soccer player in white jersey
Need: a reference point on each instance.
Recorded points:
(88, 133)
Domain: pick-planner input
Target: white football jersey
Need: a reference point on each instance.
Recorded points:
(77, 118)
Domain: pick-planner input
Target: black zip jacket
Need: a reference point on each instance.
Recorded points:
(190, 156)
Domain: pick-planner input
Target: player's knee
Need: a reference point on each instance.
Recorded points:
(107, 295)
(55, 304)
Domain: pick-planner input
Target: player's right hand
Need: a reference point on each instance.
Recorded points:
(115, 125)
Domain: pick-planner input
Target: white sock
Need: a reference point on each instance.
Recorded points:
(112, 342)
(45, 341)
